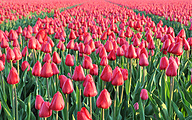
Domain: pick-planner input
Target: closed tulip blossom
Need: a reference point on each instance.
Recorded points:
(144, 94)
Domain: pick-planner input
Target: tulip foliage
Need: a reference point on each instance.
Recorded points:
(91, 60)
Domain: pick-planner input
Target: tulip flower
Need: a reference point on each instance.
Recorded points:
(25, 65)
(136, 106)
(94, 70)
(56, 59)
(45, 110)
(79, 75)
(171, 71)
(104, 101)
(90, 91)
(38, 102)
(67, 89)
(18, 56)
(47, 72)
(144, 94)
(83, 114)
(13, 78)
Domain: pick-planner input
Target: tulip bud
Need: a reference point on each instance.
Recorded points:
(83, 114)
(57, 102)
(104, 100)
(13, 77)
(67, 87)
(136, 106)
(56, 59)
(144, 94)
(164, 62)
(24, 66)
(46, 70)
(36, 69)
(90, 89)
(117, 77)
(106, 74)
(38, 102)
(78, 74)
(45, 110)
(69, 61)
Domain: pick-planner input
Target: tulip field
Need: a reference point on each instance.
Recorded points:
(95, 60)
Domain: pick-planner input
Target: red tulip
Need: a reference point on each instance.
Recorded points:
(4, 43)
(104, 61)
(144, 94)
(38, 102)
(67, 87)
(70, 45)
(104, 100)
(108, 46)
(83, 114)
(32, 43)
(18, 55)
(117, 77)
(54, 68)
(172, 69)
(125, 74)
(69, 61)
(94, 70)
(36, 69)
(24, 66)
(72, 35)
(2, 67)
(24, 51)
(87, 63)
(143, 61)
(87, 78)
(62, 79)
(45, 110)
(13, 77)
(177, 49)
(90, 89)
(106, 74)
(130, 52)
(78, 74)
(136, 106)
(10, 54)
(112, 55)
(120, 51)
(56, 59)
(46, 70)
(87, 50)
(164, 62)
(57, 102)
(47, 58)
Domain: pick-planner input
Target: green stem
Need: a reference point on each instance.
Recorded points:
(56, 115)
(67, 97)
(90, 100)
(103, 114)
(122, 94)
(2, 84)
(16, 102)
(37, 86)
(79, 96)
(143, 75)
(18, 67)
(171, 93)
(48, 90)
(13, 102)
(114, 114)
(130, 78)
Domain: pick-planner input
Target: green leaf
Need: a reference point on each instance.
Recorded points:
(176, 109)
(141, 110)
(162, 107)
(29, 107)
